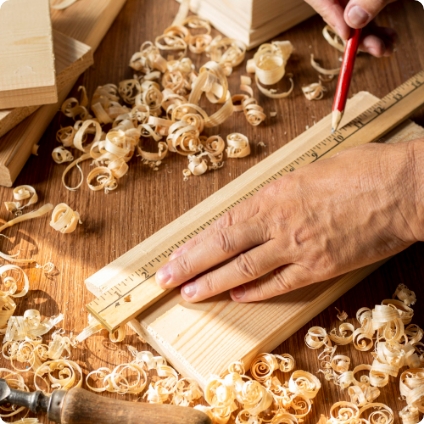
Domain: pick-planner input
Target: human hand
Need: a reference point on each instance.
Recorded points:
(318, 222)
(342, 14)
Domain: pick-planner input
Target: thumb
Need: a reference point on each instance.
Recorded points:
(359, 13)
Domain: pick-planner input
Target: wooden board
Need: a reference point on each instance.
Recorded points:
(202, 339)
(72, 58)
(87, 24)
(27, 70)
(87, 21)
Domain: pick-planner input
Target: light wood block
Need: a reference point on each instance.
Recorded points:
(252, 22)
(27, 70)
(204, 338)
(72, 59)
(87, 21)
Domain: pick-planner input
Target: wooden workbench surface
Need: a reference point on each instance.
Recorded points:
(145, 200)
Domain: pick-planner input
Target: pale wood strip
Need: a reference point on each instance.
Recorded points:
(27, 71)
(72, 59)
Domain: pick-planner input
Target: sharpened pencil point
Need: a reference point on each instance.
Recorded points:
(335, 120)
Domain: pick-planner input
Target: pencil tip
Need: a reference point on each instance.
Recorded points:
(332, 130)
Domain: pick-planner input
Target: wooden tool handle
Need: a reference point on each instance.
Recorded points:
(82, 407)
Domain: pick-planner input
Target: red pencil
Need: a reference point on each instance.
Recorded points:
(345, 76)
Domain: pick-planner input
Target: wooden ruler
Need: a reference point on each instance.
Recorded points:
(132, 291)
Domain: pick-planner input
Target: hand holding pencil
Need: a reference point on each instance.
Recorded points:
(343, 15)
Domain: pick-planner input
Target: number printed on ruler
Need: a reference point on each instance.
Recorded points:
(369, 126)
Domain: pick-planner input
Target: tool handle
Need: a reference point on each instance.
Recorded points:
(82, 407)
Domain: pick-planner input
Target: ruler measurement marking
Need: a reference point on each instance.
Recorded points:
(327, 144)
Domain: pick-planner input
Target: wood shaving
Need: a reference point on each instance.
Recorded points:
(333, 39)
(407, 296)
(30, 215)
(64, 219)
(341, 316)
(23, 192)
(29, 325)
(228, 52)
(269, 66)
(323, 71)
(238, 146)
(61, 155)
(60, 374)
(314, 91)
(395, 347)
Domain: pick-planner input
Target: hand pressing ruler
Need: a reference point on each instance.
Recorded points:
(128, 291)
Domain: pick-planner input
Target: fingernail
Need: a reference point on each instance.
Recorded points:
(190, 289)
(163, 276)
(238, 292)
(358, 17)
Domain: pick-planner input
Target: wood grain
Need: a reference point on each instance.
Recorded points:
(27, 71)
(146, 201)
(87, 25)
(72, 58)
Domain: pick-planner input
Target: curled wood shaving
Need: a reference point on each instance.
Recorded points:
(61, 155)
(62, 374)
(12, 277)
(238, 146)
(77, 109)
(314, 91)
(270, 61)
(23, 192)
(396, 346)
(321, 70)
(333, 39)
(341, 315)
(66, 136)
(30, 215)
(29, 325)
(407, 296)
(272, 93)
(228, 52)
(64, 219)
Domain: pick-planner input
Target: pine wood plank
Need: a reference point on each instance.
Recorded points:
(27, 70)
(72, 58)
(87, 24)
(87, 21)
(202, 339)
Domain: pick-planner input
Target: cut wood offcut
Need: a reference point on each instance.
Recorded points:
(72, 59)
(27, 70)
(204, 338)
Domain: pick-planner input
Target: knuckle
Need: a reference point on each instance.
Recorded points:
(224, 242)
(185, 265)
(246, 267)
(210, 285)
(226, 220)
(281, 282)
